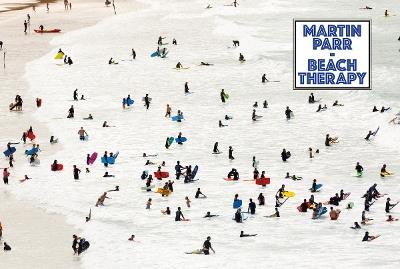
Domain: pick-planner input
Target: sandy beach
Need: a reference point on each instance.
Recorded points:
(29, 229)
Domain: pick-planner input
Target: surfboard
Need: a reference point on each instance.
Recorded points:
(9, 151)
(160, 175)
(226, 96)
(154, 54)
(171, 140)
(182, 139)
(176, 118)
(288, 194)
(194, 172)
(386, 174)
(129, 102)
(59, 167)
(263, 181)
(317, 187)
(143, 98)
(31, 151)
(93, 158)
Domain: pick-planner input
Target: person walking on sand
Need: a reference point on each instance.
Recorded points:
(25, 26)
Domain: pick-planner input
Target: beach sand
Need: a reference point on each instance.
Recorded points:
(29, 230)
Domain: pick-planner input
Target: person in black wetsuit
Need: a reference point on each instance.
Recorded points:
(375, 109)
(222, 94)
(76, 95)
(389, 206)
(230, 153)
(383, 109)
(186, 88)
(264, 78)
(198, 193)
(359, 168)
(368, 135)
(261, 199)
(242, 234)
(207, 246)
(147, 101)
(215, 149)
(220, 124)
(178, 169)
(252, 207)
(288, 113)
(356, 226)
(76, 172)
(179, 215)
(75, 243)
(285, 155)
(71, 112)
(209, 215)
(6, 247)
(314, 186)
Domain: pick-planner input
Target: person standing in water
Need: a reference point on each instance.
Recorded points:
(76, 172)
(133, 54)
(207, 246)
(147, 101)
(82, 134)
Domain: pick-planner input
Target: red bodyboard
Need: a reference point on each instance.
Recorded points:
(160, 175)
(263, 181)
(59, 167)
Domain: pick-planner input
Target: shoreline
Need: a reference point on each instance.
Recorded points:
(22, 6)
(23, 219)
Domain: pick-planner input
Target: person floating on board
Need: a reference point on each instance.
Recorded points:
(90, 117)
(179, 215)
(168, 111)
(206, 64)
(220, 124)
(223, 95)
(242, 234)
(147, 101)
(364, 219)
(101, 199)
(209, 215)
(132, 238)
(264, 78)
(383, 109)
(288, 113)
(82, 134)
(111, 61)
(76, 95)
(336, 103)
(368, 238)
(198, 193)
(230, 153)
(71, 112)
(389, 206)
(252, 207)
(207, 246)
(241, 58)
(356, 226)
(106, 174)
(178, 65)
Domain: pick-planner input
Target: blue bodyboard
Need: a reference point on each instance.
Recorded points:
(237, 204)
(31, 151)
(181, 140)
(10, 151)
(177, 117)
(154, 54)
(194, 172)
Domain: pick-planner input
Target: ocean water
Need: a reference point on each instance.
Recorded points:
(264, 29)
